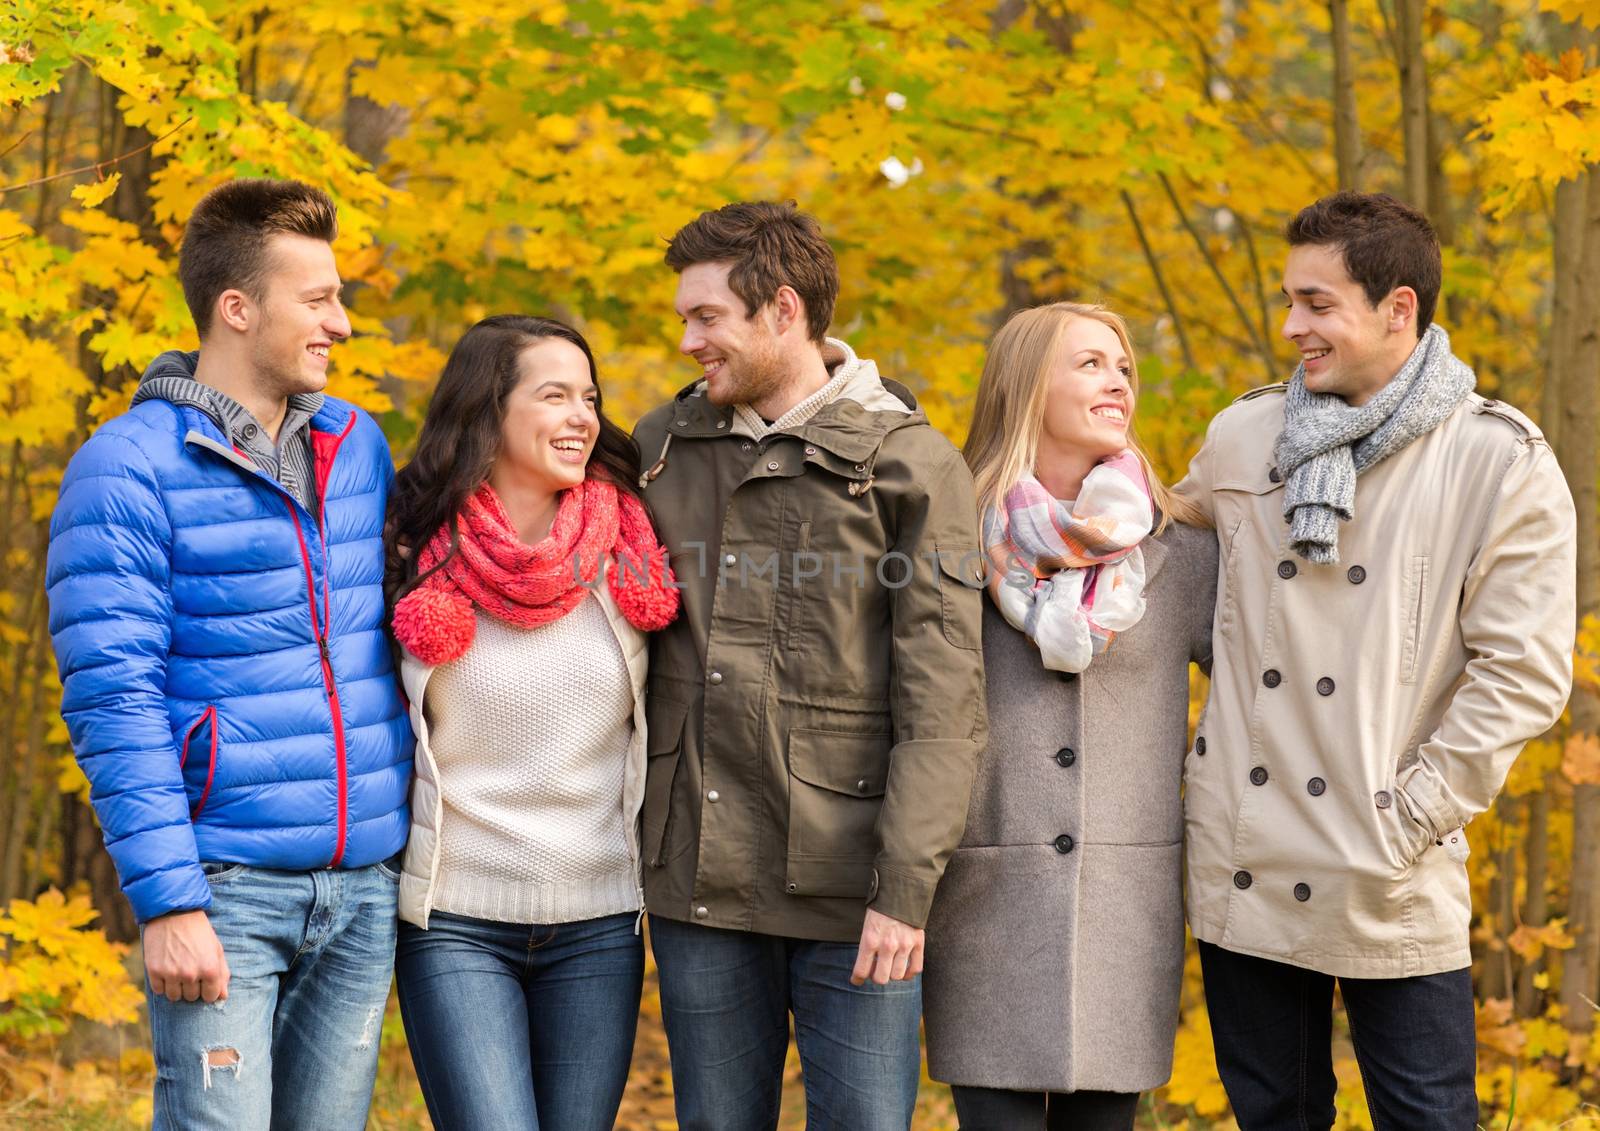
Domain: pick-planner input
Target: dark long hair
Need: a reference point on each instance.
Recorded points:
(460, 439)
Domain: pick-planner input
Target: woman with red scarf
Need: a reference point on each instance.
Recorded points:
(527, 574)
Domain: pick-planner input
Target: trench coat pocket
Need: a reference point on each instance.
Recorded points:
(664, 720)
(1406, 838)
(836, 785)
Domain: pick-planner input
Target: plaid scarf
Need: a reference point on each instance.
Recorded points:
(528, 586)
(1071, 575)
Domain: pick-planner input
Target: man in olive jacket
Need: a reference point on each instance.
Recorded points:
(1395, 615)
(816, 711)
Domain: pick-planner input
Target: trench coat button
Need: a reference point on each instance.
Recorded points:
(713, 796)
(702, 912)
(861, 467)
(1287, 569)
(810, 451)
(1324, 686)
(1063, 844)
(1272, 677)
(792, 886)
(1200, 746)
(1065, 756)
(1275, 475)
(746, 446)
(683, 424)
(1242, 880)
(1316, 787)
(714, 677)
(730, 559)
(1302, 892)
(861, 785)
(772, 465)
(722, 424)
(1383, 799)
(1258, 776)
(1356, 574)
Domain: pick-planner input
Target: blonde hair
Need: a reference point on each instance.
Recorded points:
(1003, 442)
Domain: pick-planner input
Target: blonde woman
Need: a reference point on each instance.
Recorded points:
(1055, 946)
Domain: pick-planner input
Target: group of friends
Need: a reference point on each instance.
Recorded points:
(889, 739)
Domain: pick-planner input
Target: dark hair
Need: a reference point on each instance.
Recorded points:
(225, 241)
(767, 245)
(1385, 244)
(460, 439)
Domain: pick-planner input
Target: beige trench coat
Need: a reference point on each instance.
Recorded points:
(1362, 713)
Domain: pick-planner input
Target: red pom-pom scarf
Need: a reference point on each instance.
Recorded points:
(527, 585)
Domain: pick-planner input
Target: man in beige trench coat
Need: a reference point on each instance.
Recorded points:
(1395, 618)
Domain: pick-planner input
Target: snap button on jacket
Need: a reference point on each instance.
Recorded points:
(1402, 681)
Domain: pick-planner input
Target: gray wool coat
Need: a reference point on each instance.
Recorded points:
(1054, 954)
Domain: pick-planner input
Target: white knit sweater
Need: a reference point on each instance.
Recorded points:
(530, 730)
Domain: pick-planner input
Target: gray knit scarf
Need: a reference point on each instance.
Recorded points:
(1326, 442)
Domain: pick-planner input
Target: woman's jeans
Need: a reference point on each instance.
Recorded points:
(295, 1042)
(1272, 1026)
(515, 1027)
(995, 1109)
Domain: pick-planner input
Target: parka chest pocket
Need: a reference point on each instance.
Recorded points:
(664, 719)
(836, 785)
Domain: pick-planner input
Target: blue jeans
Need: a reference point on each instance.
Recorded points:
(725, 1001)
(515, 1027)
(309, 958)
(1272, 1026)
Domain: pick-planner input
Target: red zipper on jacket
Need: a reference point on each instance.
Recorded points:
(320, 628)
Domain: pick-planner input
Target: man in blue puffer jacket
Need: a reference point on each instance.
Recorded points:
(215, 583)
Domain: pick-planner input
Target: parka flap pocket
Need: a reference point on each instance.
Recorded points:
(663, 725)
(853, 764)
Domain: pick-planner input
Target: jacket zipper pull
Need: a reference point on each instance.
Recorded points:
(322, 646)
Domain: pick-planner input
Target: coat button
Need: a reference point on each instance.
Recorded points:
(1383, 799)
(861, 785)
(702, 912)
(683, 424)
(861, 467)
(713, 796)
(1065, 756)
(1272, 677)
(1063, 844)
(722, 424)
(810, 451)
(1302, 892)
(1275, 475)
(746, 446)
(1200, 746)
(1324, 686)
(1356, 574)
(1258, 776)
(772, 465)
(1242, 880)
(714, 677)
(1316, 787)
(792, 886)
(730, 559)
(1287, 569)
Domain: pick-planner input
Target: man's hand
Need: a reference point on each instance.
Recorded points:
(890, 951)
(184, 959)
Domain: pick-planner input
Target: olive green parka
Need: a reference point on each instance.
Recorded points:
(816, 711)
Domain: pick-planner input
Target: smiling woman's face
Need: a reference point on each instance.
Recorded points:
(1090, 397)
(550, 425)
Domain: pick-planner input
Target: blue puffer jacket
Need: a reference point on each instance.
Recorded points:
(225, 676)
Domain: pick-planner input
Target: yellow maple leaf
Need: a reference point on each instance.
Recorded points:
(93, 195)
(1580, 759)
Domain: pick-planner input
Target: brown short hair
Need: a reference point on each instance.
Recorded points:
(225, 241)
(767, 245)
(1385, 244)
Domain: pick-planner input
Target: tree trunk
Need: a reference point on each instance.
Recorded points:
(1346, 127)
(1580, 459)
(1409, 16)
(1571, 203)
(1495, 980)
(1535, 902)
